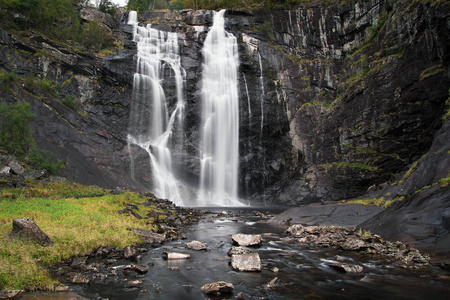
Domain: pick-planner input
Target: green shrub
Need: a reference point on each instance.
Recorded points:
(42, 159)
(70, 102)
(16, 136)
(176, 5)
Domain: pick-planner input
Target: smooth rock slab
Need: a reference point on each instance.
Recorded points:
(247, 239)
(217, 288)
(246, 262)
(175, 255)
(26, 228)
(196, 245)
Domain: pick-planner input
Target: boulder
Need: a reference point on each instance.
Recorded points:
(79, 279)
(79, 262)
(247, 239)
(26, 228)
(137, 268)
(196, 245)
(5, 170)
(217, 288)
(175, 255)
(149, 237)
(15, 167)
(352, 244)
(129, 252)
(10, 295)
(246, 262)
(134, 283)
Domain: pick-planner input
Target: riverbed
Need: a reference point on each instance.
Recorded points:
(290, 270)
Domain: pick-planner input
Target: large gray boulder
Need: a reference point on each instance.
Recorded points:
(26, 228)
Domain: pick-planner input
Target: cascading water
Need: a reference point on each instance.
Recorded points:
(263, 152)
(219, 154)
(151, 127)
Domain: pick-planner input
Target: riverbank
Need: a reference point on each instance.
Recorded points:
(79, 220)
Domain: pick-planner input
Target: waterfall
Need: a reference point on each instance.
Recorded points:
(152, 124)
(219, 153)
(263, 151)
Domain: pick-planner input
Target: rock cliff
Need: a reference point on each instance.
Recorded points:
(334, 99)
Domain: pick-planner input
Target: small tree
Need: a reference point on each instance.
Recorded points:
(16, 136)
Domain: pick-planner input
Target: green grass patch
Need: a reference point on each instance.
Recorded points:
(431, 72)
(77, 226)
(444, 182)
(376, 201)
(350, 165)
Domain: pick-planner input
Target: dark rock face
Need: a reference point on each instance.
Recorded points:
(332, 99)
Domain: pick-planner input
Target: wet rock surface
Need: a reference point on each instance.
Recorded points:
(352, 239)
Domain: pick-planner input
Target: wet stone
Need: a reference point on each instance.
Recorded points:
(247, 239)
(217, 288)
(347, 268)
(238, 250)
(79, 262)
(175, 255)
(196, 245)
(246, 262)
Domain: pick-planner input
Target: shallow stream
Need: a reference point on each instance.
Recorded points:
(303, 271)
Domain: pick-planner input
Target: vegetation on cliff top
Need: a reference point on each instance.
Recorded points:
(56, 19)
(77, 225)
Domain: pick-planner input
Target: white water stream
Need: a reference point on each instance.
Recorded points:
(219, 154)
(152, 124)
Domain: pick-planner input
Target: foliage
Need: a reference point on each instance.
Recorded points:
(7, 79)
(446, 116)
(16, 136)
(176, 5)
(70, 102)
(42, 159)
(360, 166)
(445, 182)
(142, 5)
(57, 18)
(95, 36)
(108, 7)
(77, 226)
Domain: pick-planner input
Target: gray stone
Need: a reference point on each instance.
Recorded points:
(26, 228)
(129, 252)
(16, 168)
(246, 262)
(347, 268)
(217, 288)
(5, 170)
(238, 250)
(80, 279)
(247, 239)
(196, 245)
(11, 294)
(79, 262)
(134, 283)
(175, 255)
